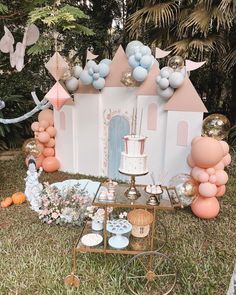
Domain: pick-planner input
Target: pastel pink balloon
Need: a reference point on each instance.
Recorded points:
(221, 190)
(210, 171)
(197, 138)
(207, 189)
(41, 129)
(51, 164)
(219, 166)
(46, 115)
(48, 152)
(225, 147)
(190, 161)
(51, 143)
(35, 126)
(199, 174)
(44, 137)
(36, 133)
(44, 124)
(212, 179)
(221, 177)
(51, 131)
(227, 160)
(206, 208)
(207, 152)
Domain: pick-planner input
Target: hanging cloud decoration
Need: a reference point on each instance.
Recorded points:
(140, 59)
(95, 74)
(168, 80)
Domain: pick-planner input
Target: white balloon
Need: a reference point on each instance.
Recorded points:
(140, 74)
(166, 93)
(77, 71)
(145, 50)
(106, 61)
(176, 79)
(133, 62)
(103, 70)
(165, 72)
(99, 83)
(183, 71)
(158, 78)
(90, 63)
(130, 48)
(72, 84)
(85, 78)
(138, 56)
(164, 83)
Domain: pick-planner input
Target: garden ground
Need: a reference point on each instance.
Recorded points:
(36, 257)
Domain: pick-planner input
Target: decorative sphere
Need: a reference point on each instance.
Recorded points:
(176, 62)
(158, 78)
(140, 74)
(166, 93)
(130, 48)
(146, 61)
(85, 78)
(216, 126)
(206, 208)
(163, 83)
(103, 70)
(96, 76)
(138, 56)
(90, 64)
(106, 61)
(46, 115)
(145, 50)
(186, 188)
(128, 80)
(77, 71)
(31, 147)
(176, 79)
(43, 137)
(72, 84)
(99, 83)
(133, 62)
(165, 72)
(50, 164)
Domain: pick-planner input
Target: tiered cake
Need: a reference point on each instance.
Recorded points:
(133, 160)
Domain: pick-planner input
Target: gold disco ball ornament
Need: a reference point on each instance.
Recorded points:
(186, 188)
(216, 126)
(176, 62)
(128, 80)
(31, 148)
(66, 75)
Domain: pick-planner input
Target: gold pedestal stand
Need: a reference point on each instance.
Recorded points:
(132, 192)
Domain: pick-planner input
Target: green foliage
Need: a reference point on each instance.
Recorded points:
(3, 8)
(41, 46)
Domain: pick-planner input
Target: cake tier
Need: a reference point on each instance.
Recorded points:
(136, 165)
(134, 145)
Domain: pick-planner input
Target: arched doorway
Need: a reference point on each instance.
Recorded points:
(118, 127)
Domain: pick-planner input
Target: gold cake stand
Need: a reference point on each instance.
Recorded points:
(132, 192)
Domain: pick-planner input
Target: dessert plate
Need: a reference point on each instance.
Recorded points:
(91, 240)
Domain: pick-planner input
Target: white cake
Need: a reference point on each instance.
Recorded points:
(133, 160)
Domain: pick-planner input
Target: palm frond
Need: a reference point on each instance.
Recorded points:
(230, 60)
(160, 15)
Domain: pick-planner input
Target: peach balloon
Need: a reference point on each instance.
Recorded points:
(199, 174)
(206, 208)
(221, 177)
(226, 160)
(207, 189)
(44, 124)
(197, 138)
(225, 147)
(50, 164)
(39, 161)
(51, 143)
(41, 129)
(36, 134)
(35, 126)
(44, 137)
(207, 152)
(190, 161)
(51, 131)
(49, 152)
(221, 190)
(212, 179)
(46, 115)
(219, 166)
(210, 171)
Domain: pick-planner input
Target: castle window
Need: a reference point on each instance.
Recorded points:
(62, 121)
(152, 117)
(182, 133)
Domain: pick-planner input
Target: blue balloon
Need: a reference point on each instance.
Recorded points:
(95, 68)
(140, 74)
(85, 78)
(99, 83)
(90, 63)
(103, 70)
(90, 71)
(96, 76)
(130, 48)
(138, 56)
(145, 50)
(105, 61)
(146, 61)
(133, 62)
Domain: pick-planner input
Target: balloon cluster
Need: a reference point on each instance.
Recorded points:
(140, 59)
(95, 73)
(171, 77)
(208, 158)
(71, 78)
(45, 137)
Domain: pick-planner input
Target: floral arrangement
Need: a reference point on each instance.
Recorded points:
(97, 214)
(67, 205)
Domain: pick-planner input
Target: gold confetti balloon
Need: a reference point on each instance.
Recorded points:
(176, 62)
(216, 126)
(128, 80)
(186, 188)
(31, 147)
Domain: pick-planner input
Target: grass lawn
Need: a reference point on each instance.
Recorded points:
(36, 257)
